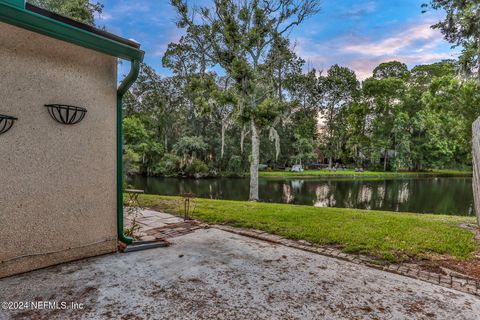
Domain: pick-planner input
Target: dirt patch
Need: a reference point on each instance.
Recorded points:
(445, 265)
(469, 268)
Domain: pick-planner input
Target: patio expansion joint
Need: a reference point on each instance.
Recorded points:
(463, 284)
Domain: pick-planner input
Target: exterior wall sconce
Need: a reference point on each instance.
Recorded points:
(66, 114)
(6, 123)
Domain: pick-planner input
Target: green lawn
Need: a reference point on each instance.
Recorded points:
(385, 235)
(365, 174)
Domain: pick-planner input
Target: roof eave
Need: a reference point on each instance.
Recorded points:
(23, 18)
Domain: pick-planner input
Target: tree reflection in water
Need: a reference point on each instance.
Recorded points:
(448, 195)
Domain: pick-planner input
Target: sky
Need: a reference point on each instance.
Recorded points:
(355, 34)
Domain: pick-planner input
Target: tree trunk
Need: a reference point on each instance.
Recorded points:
(330, 133)
(280, 84)
(242, 138)
(478, 44)
(478, 53)
(223, 139)
(476, 166)
(385, 159)
(254, 163)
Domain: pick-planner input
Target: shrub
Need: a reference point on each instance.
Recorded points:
(168, 165)
(262, 167)
(196, 166)
(190, 146)
(131, 161)
(235, 164)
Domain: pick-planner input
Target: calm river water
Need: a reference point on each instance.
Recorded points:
(452, 195)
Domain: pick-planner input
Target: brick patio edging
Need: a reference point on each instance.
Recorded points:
(467, 285)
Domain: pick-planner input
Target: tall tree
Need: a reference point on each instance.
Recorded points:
(212, 95)
(391, 69)
(159, 102)
(305, 90)
(422, 75)
(237, 37)
(385, 98)
(356, 116)
(340, 87)
(461, 26)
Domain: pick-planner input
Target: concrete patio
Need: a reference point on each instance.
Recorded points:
(214, 274)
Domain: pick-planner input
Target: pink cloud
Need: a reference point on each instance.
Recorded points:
(396, 42)
(416, 44)
(363, 67)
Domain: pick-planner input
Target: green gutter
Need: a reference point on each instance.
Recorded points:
(122, 89)
(12, 12)
(17, 3)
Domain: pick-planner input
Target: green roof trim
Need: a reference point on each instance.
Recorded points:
(18, 3)
(13, 12)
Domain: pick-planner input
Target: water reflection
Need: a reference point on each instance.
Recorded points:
(423, 195)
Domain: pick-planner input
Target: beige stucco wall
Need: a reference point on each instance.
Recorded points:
(57, 182)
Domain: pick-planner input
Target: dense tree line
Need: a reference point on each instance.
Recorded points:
(398, 119)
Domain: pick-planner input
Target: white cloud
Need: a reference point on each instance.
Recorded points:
(416, 44)
(130, 7)
(395, 43)
(103, 17)
(359, 10)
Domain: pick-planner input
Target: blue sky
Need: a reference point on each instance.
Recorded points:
(356, 34)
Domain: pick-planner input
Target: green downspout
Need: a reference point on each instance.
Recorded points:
(122, 89)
